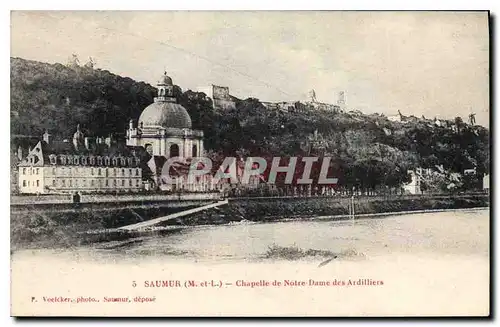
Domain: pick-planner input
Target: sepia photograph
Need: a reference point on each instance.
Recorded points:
(250, 163)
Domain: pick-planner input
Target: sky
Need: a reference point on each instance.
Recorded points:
(434, 64)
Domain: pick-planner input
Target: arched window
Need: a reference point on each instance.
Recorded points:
(174, 150)
(99, 161)
(106, 161)
(195, 150)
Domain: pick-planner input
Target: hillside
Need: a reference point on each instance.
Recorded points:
(368, 150)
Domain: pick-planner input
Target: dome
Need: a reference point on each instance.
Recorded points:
(165, 80)
(165, 114)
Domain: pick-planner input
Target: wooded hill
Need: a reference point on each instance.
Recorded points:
(368, 150)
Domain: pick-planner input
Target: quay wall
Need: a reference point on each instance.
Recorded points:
(37, 227)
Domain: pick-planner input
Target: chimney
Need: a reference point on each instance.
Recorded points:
(87, 142)
(109, 140)
(46, 137)
(131, 124)
(20, 153)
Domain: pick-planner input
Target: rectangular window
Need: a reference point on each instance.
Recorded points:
(24, 171)
(114, 182)
(130, 171)
(38, 171)
(63, 182)
(123, 172)
(53, 171)
(92, 182)
(37, 183)
(29, 184)
(123, 182)
(92, 171)
(137, 182)
(107, 182)
(99, 172)
(24, 183)
(53, 182)
(137, 172)
(129, 182)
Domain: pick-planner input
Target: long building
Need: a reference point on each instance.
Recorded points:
(79, 166)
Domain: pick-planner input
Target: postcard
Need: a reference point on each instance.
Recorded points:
(250, 163)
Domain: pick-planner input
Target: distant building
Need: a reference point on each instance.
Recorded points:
(471, 171)
(486, 182)
(397, 118)
(417, 177)
(220, 96)
(341, 101)
(324, 106)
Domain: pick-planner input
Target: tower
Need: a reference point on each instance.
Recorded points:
(312, 96)
(165, 89)
(472, 119)
(341, 100)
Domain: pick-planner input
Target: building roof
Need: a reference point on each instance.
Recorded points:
(166, 115)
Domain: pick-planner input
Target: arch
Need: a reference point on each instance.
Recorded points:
(195, 151)
(174, 150)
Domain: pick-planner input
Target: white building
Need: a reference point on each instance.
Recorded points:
(486, 182)
(417, 177)
(81, 166)
(165, 128)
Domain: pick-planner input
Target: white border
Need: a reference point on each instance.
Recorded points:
(6, 6)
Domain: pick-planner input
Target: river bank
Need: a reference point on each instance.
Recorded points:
(35, 229)
(440, 262)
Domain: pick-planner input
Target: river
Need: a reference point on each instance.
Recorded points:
(430, 264)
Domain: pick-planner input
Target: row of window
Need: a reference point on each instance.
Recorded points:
(100, 171)
(31, 171)
(96, 171)
(28, 183)
(93, 160)
(86, 183)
